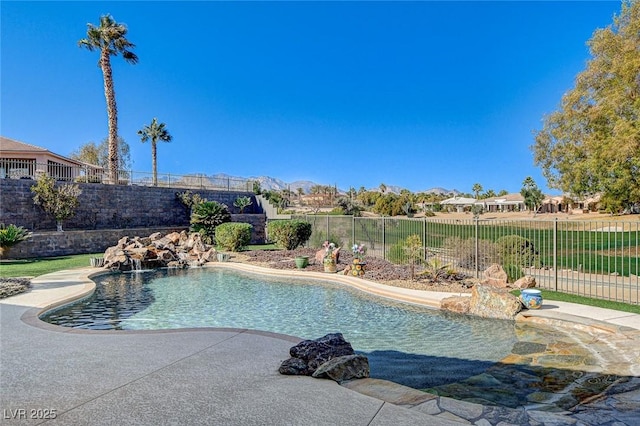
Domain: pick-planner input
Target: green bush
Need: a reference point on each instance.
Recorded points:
(517, 250)
(10, 235)
(289, 234)
(396, 253)
(206, 217)
(464, 251)
(233, 236)
(514, 272)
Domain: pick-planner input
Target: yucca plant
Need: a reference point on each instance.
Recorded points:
(10, 235)
(206, 216)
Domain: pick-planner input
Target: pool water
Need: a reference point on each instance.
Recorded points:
(408, 344)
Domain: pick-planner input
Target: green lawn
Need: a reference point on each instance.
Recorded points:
(581, 300)
(41, 266)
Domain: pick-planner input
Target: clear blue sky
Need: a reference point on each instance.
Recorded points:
(413, 94)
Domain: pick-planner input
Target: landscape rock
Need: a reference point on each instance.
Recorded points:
(294, 367)
(495, 276)
(156, 251)
(525, 282)
(314, 353)
(457, 304)
(490, 302)
(343, 368)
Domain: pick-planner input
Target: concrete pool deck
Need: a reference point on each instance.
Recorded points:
(217, 376)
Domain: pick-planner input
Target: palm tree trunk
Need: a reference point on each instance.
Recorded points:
(154, 162)
(112, 114)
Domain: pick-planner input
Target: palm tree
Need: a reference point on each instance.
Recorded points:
(109, 39)
(477, 189)
(154, 132)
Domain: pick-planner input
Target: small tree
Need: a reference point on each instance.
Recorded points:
(242, 203)
(414, 252)
(59, 201)
(190, 199)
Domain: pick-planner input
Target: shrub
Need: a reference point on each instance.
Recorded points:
(289, 234)
(189, 199)
(233, 236)
(242, 203)
(396, 253)
(514, 272)
(429, 213)
(206, 217)
(517, 250)
(409, 251)
(464, 251)
(10, 235)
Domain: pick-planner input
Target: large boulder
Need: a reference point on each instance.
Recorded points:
(490, 302)
(343, 368)
(316, 352)
(525, 282)
(457, 304)
(495, 276)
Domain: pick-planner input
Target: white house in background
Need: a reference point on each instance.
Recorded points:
(21, 160)
(458, 203)
(504, 203)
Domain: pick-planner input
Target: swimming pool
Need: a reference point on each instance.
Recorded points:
(408, 344)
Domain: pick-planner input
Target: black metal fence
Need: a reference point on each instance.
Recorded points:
(592, 258)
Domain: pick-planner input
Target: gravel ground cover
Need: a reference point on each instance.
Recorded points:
(378, 270)
(11, 286)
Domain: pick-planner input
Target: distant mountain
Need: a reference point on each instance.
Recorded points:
(443, 191)
(269, 183)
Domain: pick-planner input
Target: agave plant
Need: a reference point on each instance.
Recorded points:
(10, 235)
(206, 216)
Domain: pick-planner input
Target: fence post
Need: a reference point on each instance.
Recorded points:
(384, 240)
(328, 230)
(353, 230)
(555, 254)
(424, 237)
(475, 248)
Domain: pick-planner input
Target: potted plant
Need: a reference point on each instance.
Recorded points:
(302, 262)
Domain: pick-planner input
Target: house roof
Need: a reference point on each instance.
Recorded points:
(512, 198)
(456, 201)
(13, 146)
